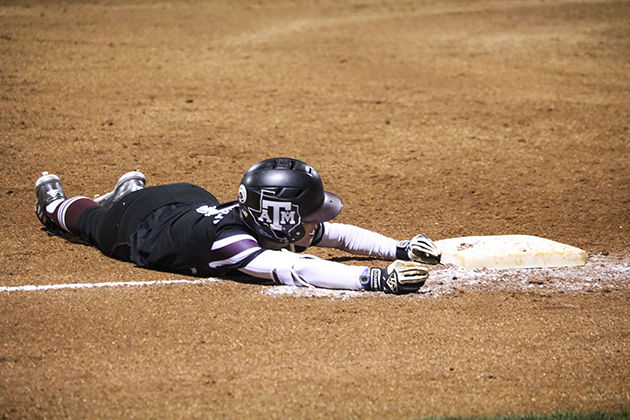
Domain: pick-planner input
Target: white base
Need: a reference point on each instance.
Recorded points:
(509, 251)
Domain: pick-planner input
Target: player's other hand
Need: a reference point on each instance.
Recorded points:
(421, 249)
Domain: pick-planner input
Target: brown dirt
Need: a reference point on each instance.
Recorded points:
(445, 117)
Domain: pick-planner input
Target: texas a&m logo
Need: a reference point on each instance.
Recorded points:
(277, 214)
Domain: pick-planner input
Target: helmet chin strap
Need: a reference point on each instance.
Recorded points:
(275, 246)
(268, 244)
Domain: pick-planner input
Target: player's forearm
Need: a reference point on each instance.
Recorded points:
(291, 269)
(329, 274)
(357, 240)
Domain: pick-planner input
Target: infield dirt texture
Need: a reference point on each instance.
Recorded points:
(449, 118)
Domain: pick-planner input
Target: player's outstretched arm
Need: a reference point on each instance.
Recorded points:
(362, 241)
(287, 268)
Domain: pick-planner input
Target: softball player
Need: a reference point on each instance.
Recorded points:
(281, 210)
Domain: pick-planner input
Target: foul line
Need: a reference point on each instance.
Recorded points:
(32, 287)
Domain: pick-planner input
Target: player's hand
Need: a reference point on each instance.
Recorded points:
(421, 249)
(400, 277)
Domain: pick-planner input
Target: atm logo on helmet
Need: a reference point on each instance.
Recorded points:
(277, 214)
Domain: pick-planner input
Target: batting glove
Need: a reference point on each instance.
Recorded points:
(399, 278)
(420, 249)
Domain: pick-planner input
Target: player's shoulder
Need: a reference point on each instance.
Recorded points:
(219, 215)
(230, 225)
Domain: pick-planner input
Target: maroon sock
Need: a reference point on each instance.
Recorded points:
(67, 214)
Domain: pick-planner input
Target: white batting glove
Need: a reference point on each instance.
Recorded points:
(420, 249)
(399, 278)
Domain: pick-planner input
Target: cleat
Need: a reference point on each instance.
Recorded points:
(129, 182)
(48, 190)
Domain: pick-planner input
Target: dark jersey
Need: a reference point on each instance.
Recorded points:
(194, 238)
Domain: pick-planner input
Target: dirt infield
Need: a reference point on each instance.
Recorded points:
(450, 118)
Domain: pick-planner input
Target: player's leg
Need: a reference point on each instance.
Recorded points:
(53, 209)
(109, 226)
(59, 213)
(111, 229)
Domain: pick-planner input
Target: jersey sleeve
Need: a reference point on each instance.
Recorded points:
(233, 249)
(356, 240)
(287, 268)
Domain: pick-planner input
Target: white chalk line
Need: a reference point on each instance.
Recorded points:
(33, 288)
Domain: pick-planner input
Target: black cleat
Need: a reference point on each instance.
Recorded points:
(48, 190)
(129, 182)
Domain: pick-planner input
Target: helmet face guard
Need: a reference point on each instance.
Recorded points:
(277, 196)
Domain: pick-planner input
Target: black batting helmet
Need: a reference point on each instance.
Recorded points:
(277, 196)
